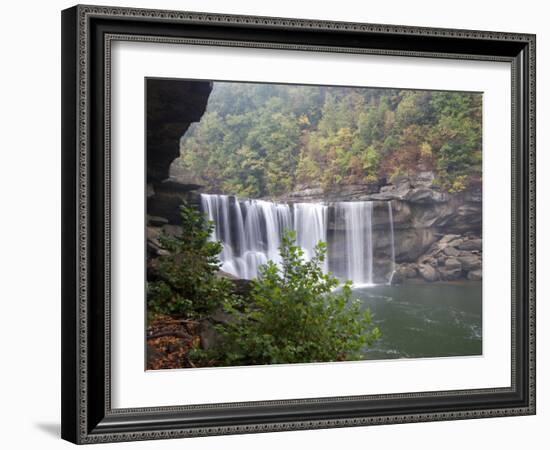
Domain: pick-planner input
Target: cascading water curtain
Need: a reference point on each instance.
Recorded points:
(356, 220)
(251, 232)
(392, 242)
(310, 223)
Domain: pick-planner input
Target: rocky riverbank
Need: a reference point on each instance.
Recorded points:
(451, 258)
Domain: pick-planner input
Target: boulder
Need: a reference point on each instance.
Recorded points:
(172, 230)
(452, 264)
(403, 272)
(388, 193)
(397, 278)
(472, 244)
(450, 273)
(455, 242)
(412, 242)
(241, 286)
(470, 262)
(425, 195)
(451, 270)
(154, 247)
(428, 272)
(451, 251)
(410, 271)
(448, 238)
(153, 235)
(474, 275)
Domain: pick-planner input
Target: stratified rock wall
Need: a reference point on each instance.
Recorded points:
(437, 234)
(172, 106)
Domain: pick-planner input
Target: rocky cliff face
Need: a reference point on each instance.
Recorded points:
(172, 106)
(437, 235)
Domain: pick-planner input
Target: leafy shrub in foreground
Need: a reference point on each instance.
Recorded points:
(294, 315)
(187, 283)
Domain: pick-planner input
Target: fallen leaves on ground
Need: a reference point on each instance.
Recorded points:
(169, 340)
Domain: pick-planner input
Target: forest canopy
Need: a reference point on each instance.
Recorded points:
(265, 140)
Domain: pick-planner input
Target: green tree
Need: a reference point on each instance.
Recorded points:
(259, 140)
(185, 282)
(295, 316)
(456, 136)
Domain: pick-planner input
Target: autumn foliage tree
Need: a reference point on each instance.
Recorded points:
(259, 140)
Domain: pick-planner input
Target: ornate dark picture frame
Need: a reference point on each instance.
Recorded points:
(87, 34)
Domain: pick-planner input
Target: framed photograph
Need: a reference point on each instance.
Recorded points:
(282, 224)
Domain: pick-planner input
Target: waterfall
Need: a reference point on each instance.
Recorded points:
(216, 208)
(251, 232)
(356, 220)
(392, 242)
(310, 223)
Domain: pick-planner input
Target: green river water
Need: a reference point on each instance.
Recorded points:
(425, 320)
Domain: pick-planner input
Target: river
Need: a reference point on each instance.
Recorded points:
(425, 320)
